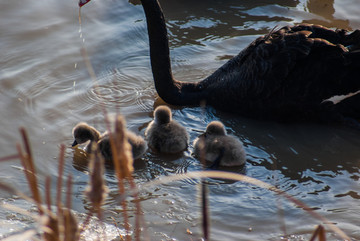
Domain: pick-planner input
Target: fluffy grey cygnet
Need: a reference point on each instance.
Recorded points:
(217, 146)
(83, 133)
(164, 134)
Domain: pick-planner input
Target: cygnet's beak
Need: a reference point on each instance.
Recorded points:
(199, 131)
(74, 143)
(203, 135)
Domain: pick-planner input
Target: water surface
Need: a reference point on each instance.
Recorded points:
(46, 87)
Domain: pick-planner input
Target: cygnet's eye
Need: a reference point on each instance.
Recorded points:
(200, 87)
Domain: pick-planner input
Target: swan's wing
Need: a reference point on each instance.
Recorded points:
(271, 66)
(291, 59)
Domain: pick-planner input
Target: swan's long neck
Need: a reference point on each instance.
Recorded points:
(172, 91)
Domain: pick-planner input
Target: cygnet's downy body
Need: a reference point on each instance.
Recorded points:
(138, 145)
(83, 133)
(164, 134)
(216, 146)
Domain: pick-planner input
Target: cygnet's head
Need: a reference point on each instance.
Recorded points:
(82, 132)
(215, 128)
(162, 115)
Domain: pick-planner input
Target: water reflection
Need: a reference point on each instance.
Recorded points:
(326, 10)
(294, 150)
(190, 23)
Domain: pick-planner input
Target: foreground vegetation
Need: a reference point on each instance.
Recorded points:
(58, 222)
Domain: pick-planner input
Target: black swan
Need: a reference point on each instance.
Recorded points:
(83, 133)
(215, 143)
(165, 134)
(287, 74)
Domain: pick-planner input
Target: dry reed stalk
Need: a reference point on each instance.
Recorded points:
(94, 79)
(85, 223)
(9, 189)
(320, 233)
(55, 223)
(61, 226)
(243, 178)
(123, 162)
(71, 227)
(204, 195)
(50, 227)
(60, 177)
(69, 192)
(281, 213)
(48, 192)
(115, 224)
(83, 2)
(56, 227)
(96, 191)
(29, 168)
(118, 141)
(205, 211)
(10, 157)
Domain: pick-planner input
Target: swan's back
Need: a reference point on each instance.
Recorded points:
(288, 71)
(284, 75)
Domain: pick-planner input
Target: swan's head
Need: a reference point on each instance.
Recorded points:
(215, 128)
(82, 133)
(162, 115)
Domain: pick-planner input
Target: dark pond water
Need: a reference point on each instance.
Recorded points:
(46, 87)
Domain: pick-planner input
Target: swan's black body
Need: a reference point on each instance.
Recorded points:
(284, 75)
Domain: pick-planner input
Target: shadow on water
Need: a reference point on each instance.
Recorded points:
(301, 151)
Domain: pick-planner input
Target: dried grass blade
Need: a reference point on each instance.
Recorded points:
(96, 191)
(319, 232)
(10, 157)
(71, 230)
(50, 228)
(239, 177)
(69, 192)
(30, 173)
(24, 236)
(48, 192)
(123, 162)
(60, 176)
(205, 211)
